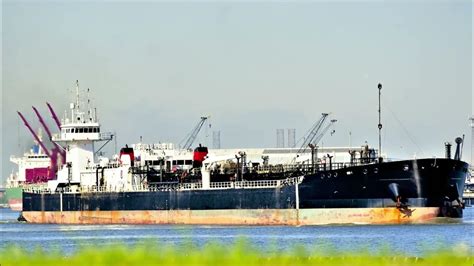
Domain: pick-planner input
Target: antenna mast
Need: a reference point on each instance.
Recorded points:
(77, 94)
(380, 125)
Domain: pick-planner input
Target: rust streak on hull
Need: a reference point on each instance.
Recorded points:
(238, 216)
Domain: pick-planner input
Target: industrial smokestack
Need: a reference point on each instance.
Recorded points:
(291, 137)
(280, 138)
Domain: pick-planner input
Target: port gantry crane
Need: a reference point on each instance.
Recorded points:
(191, 137)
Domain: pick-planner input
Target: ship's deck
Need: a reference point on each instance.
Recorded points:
(166, 186)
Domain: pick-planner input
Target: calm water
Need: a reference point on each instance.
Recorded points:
(408, 239)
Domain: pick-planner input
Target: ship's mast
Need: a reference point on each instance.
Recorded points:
(380, 124)
(77, 94)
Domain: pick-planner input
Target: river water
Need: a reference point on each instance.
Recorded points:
(408, 239)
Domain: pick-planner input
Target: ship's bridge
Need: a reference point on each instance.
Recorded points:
(81, 131)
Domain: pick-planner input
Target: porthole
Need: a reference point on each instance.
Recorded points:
(406, 167)
(322, 176)
(365, 171)
(376, 170)
(335, 174)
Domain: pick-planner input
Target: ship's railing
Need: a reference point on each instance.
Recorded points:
(113, 188)
(308, 167)
(247, 184)
(36, 188)
(175, 186)
(107, 166)
(106, 135)
(43, 189)
(321, 167)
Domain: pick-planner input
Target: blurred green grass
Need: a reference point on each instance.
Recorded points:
(239, 253)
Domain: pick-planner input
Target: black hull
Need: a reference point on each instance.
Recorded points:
(403, 184)
(424, 182)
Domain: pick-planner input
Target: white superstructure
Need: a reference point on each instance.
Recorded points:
(35, 158)
(79, 137)
(31, 160)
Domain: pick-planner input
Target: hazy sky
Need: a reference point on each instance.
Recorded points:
(154, 68)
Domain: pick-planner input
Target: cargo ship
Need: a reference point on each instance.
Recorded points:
(228, 189)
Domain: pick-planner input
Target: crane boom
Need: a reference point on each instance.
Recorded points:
(313, 132)
(55, 117)
(46, 151)
(188, 142)
(46, 128)
(321, 134)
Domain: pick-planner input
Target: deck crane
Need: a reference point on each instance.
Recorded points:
(315, 135)
(310, 136)
(321, 134)
(191, 137)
